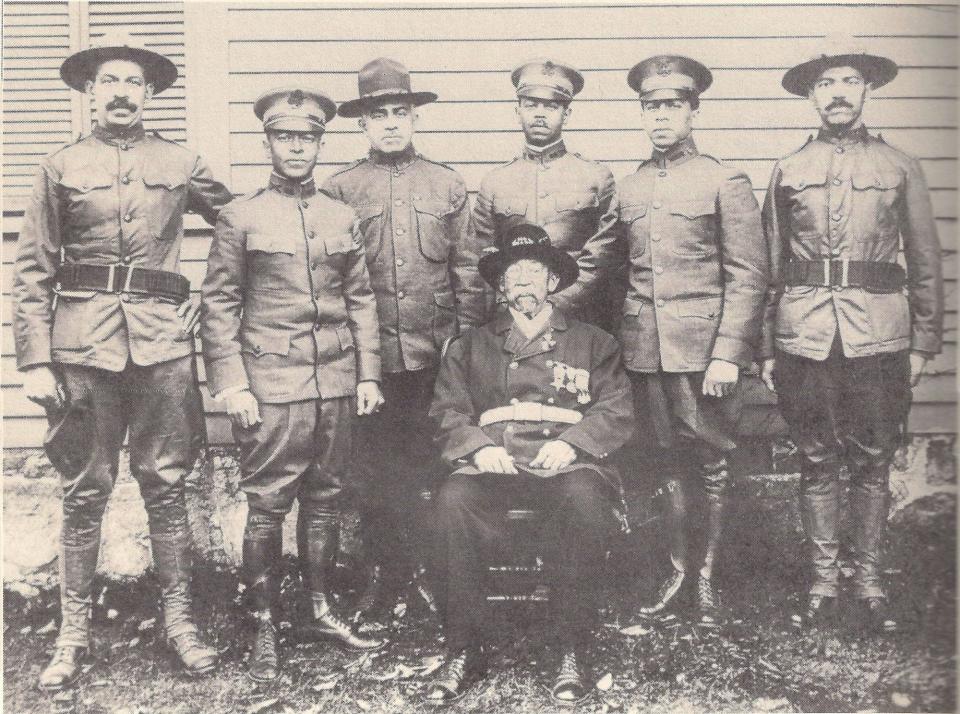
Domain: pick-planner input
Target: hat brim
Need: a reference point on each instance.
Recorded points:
(81, 66)
(296, 124)
(548, 93)
(355, 107)
(492, 265)
(876, 70)
(660, 94)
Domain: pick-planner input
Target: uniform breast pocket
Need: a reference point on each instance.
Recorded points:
(508, 206)
(875, 215)
(432, 229)
(631, 216)
(89, 201)
(337, 247)
(803, 188)
(270, 260)
(566, 202)
(167, 198)
(695, 227)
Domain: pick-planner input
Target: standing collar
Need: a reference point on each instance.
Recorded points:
(544, 154)
(394, 161)
(832, 136)
(292, 187)
(676, 154)
(115, 137)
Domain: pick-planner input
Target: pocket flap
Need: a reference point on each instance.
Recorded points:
(693, 209)
(266, 343)
(445, 299)
(432, 206)
(270, 243)
(576, 201)
(799, 180)
(341, 243)
(159, 178)
(630, 213)
(632, 306)
(368, 210)
(707, 308)
(880, 180)
(510, 206)
(345, 337)
(84, 180)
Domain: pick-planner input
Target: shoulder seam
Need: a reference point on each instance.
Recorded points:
(343, 169)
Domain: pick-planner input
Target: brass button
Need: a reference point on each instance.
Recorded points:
(661, 302)
(305, 204)
(400, 231)
(661, 173)
(514, 365)
(839, 149)
(658, 270)
(549, 400)
(546, 432)
(128, 218)
(399, 262)
(125, 297)
(654, 237)
(543, 194)
(125, 260)
(124, 180)
(311, 235)
(400, 294)
(837, 181)
(514, 401)
(657, 204)
(124, 147)
(398, 202)
(257, 349)
(837, 216)
(315, 264)
(549, 363)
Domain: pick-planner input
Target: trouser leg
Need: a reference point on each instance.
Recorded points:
(92, 427)
(163, 449)
(578, 523)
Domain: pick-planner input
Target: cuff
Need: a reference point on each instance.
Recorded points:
(227, 372)
(227, 391)
(465, 444)
(33, 349)
(925, 342)
(733, 350)
(368, 367)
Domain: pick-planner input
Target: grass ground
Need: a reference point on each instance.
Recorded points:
(754, 662)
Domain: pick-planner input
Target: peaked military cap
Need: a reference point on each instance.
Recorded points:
(294, 109)
(82, 66)
(542, 78)
(669, 77)
(839, 51)
(526, 240)
(380, 80)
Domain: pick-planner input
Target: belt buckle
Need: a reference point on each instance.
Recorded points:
(826, 273)
(111, 274)
(845, 273)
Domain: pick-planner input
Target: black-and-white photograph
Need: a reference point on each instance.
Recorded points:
(501, 357)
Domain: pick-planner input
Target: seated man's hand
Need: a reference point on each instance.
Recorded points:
(720, 379)
(369, 397)
(242, 408)
(494, 460)
(554, 455)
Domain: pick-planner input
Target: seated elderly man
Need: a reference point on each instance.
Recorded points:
(528, 406)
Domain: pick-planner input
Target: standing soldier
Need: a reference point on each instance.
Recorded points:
(847, 341)
(569, 196)
(693, 311)
(422, 256)
(289, 333)
(104, 324)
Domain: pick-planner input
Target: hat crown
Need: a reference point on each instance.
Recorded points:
(546, 78)
(116, 37)
(294, 109)
(523, 235)
(669, 72)
(837, 44)
(383, 76)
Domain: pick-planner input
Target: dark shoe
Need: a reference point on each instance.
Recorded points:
(264, 665)
(456, 676)
(196, 657)
(63, 670)
(820, 613)
(708, 602)
(326, 624)
(878, 616)
(668, 590)
(569, 688)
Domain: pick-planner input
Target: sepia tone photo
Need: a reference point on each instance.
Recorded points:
(515, 357)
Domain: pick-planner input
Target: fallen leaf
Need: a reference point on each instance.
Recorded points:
(65, 696)
(134, 642)
(400, 610)
(405, 672)
(635, 631)
(47, 629)
(430, 665)
(386, 677)
(899, 699)
(99, 683)
(605, 682)
(325, 686)
(112, 614)
(769, 705)
(365, 706)
(260, 706)
(147, 624)
(25, 630)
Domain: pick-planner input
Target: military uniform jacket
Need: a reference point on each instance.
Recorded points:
(421, 252)
(853, 198)
(107, 199)
(690, 226)
(571, 365)
(287, 307)
(568, 196)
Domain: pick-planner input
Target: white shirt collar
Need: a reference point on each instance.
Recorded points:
(532, 326)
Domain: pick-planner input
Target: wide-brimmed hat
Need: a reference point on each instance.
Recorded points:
(82, 66)
(381, 80)
(294, 109)
(839, 51)
(526, 240)
(542, 78)
(669, 77)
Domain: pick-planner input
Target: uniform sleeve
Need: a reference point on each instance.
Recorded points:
(207, 195)
(331, 188)
(776, 233)
(745, 272)
(608, 422)
(221, 306)
(452, 410)
(921, 247)
(483, 220)
(38, 257)
(362, 310)
(600, 251)
(474, 297)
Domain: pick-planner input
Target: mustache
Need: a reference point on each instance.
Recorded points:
(121, 103)
(838, 103)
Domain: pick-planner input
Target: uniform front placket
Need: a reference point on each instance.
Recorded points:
(658, 234)
(126, 193)
(400, 240)
(838, 202)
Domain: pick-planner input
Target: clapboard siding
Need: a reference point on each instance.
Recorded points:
(465, 54)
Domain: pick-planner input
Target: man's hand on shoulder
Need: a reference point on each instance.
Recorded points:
(554, 455)
(494, 460)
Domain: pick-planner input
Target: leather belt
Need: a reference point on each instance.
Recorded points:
(870, 275)
(119, 278)
(530, 411)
